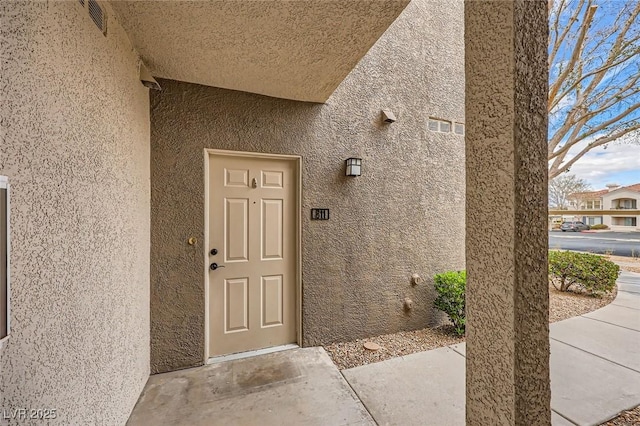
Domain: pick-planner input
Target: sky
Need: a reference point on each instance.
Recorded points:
(618, 163)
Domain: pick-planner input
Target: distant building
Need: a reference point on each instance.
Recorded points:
(615, 206)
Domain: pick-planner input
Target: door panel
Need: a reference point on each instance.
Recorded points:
(253, 226)
(271, 300)
(272, 228)
(271, 179)
(237, 178)
(236, 229)
(236, 305)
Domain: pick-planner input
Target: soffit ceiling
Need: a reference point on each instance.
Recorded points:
(300, 49)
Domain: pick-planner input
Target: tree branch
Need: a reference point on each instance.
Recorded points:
(553, 103)
(572, 20)
(555, 171)
(588, 17)
(599, 72)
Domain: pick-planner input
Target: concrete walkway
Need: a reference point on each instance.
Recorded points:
(293, 387)
(595, 372)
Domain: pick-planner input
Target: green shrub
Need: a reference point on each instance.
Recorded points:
(599, 226)
(451, 290)
(582, 271)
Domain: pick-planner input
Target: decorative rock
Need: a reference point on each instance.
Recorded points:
(371, 346)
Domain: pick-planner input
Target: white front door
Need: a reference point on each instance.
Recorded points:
(252, 253)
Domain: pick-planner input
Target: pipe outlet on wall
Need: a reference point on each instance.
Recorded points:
(408, 304)
(416, 279)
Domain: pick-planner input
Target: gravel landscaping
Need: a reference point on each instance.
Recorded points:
(565, 305)
(353, 354)
(631, 264)
(626, 418)
(562, 306)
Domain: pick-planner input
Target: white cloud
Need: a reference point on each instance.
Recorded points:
(618, 163)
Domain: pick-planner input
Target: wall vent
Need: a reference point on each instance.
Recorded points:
(81, 2)
(97, 16)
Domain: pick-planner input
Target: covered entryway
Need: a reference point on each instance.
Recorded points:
(252, 251)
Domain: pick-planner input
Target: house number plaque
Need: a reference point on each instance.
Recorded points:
(319, 214)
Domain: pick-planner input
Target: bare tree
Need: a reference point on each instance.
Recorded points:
(561, 187)
(594, 72)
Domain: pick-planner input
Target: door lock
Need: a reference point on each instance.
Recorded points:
(215, 266)
(213, 252)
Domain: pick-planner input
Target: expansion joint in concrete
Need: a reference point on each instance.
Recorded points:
(359, 399)
(610, 323)
(565, 417)
(596, 355)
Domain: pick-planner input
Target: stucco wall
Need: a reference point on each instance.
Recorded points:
(507, 294)
(257, 46)
(404, 215)
(74, 130)
(608, 203)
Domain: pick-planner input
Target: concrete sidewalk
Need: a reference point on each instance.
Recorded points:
(595, 372)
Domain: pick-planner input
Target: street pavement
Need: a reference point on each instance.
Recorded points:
(617, 243)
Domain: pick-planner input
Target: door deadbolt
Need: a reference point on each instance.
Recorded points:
(213, 252)
(215, 266)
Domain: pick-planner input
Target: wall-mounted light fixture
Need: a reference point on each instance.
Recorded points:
(353, 166)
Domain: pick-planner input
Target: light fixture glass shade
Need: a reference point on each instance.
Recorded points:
(354, 166)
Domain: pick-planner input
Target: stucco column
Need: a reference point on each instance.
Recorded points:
(506, 213)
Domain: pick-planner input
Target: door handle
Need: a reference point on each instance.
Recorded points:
(215, 266)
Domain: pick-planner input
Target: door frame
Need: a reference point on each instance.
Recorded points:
(208, 152)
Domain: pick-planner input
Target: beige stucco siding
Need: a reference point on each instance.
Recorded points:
(507, 298)
(299, 50)
(74, 131)
(621, 219)
(404, 215)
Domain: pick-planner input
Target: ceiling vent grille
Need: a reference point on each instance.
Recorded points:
(97, 16)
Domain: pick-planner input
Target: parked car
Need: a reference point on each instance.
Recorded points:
(574, 226)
